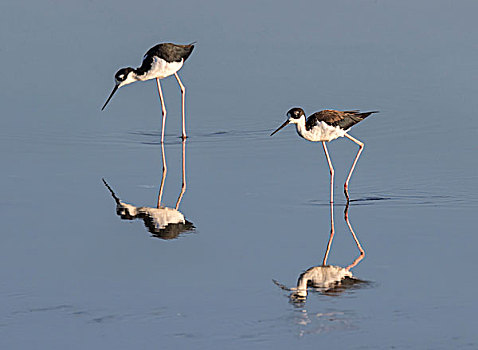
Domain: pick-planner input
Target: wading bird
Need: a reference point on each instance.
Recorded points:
(161, 221)
(159, 62)
(327, 279)
(325, 126)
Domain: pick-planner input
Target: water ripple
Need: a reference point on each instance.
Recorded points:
(421, 199)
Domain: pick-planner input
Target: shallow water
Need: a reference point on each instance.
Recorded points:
(74, 274)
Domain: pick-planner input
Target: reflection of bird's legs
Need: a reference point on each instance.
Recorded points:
(183, 187)
(361, 145)
(362, 252)
(332, 231)
(163, 109)
(331, 173)
(165, 170)
(183, 99)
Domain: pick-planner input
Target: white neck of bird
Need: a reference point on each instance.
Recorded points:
(299, 123)
(131, 78)
(302, 287)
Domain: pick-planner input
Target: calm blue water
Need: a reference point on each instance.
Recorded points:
(73, 274)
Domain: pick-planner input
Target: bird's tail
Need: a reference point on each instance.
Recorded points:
(188, 49)
(364, 115)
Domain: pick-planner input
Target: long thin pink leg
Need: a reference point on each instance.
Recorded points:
(332, 232)
(183, 100)
(165, 170)
(163, 109)
(362, 252)
(361, 145)
(183, 187)
(331, 173)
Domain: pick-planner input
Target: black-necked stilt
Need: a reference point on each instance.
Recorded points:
(324, 126)
(163, 222)
(328, 279)
(159, 62)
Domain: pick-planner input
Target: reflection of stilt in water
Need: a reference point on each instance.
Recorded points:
(165, 170)
(328, 279)
(359, 246)
(163, 178)
(332, 233)
(162, 222)
(183, 186)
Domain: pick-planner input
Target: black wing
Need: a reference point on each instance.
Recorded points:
(343, 119)
(170, 52)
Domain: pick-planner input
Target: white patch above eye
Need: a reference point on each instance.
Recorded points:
(121, 76)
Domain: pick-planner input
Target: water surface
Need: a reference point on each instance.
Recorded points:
(74, 274)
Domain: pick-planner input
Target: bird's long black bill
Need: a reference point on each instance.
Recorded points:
(109, 98)
(280, 127)
(117, 200)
